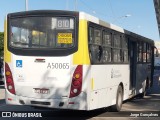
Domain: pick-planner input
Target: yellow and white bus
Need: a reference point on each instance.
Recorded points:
(72, 60)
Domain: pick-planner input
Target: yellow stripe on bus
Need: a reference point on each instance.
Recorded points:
(7, 54)
(82, 55)
(92, 84)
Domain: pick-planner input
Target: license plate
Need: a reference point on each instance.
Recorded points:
(41, 91)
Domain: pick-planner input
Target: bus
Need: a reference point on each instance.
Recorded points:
(73, 60)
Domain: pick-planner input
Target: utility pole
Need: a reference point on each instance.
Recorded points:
(75, 7)
(26, 5)
(67, 4)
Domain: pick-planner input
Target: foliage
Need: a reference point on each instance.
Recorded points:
(1, 43)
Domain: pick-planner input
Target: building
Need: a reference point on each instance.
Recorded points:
(157, 10)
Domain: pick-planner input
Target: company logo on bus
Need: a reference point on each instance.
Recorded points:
(115, 73)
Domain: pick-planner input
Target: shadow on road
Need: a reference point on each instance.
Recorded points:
(2, 101)
(73, 113)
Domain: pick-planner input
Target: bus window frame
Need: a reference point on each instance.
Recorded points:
(44, 51)
(112, 32)
(107, 46)
(94, 44)
(149, 52)
(117, 48)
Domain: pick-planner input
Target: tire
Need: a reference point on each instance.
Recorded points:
(119, 99)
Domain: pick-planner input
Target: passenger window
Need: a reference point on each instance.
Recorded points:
(95, 45)
(125, 55)
(124, 42)
(139, 57)
(19, 37)
(95, 53)
(116, 55)
(117, 41)
(148, 53)
(144, 53)
(107, 38)
(97, 36)
(91, 34)
(106, 55)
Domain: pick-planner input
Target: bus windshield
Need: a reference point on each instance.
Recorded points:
(42, 32)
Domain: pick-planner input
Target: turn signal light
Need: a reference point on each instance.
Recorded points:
(77, 75)
(8, 73)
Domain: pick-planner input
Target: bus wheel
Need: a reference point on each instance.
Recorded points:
(119, 99)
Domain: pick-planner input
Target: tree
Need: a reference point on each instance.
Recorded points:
(1, 43)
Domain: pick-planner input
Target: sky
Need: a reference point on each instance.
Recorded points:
(141, 13)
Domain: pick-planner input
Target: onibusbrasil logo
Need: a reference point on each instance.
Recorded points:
(21, 114)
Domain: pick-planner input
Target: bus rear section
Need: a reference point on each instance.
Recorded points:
(39, 68)
(43, 85)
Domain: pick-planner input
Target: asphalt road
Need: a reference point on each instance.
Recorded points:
(149, 105)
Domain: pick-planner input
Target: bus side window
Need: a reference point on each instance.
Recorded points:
(149, 53)
(106, 55)
(125, 49)
(125, 55)
(95, 53)
(144, 53)
(106, 58)
(117, 48)
(95, 47)
(91, 35)
(139, 57)
(116, 55)
(97, 36)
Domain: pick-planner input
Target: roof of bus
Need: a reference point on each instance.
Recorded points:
(94, 19)
(88, 17)
(83, 15)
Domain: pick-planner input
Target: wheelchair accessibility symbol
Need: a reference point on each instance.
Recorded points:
(19, 63)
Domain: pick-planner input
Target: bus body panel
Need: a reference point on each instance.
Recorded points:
(59, 90)
(105, 80)
(33, 73)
